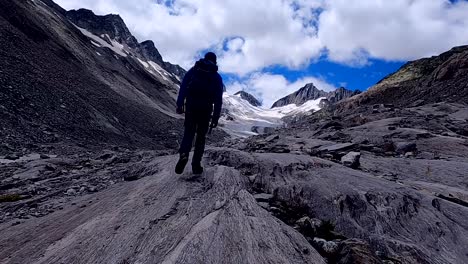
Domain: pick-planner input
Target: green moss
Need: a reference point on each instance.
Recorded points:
(5, 198)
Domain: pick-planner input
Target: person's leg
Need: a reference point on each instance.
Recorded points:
(203, 123)
(189, 133)
(186, 145)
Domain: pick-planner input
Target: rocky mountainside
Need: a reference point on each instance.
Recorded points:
(112, 27)
(428, 80)
(62, 83)
(310, 92)
(86, 161)
(249, 98)
(341, 94)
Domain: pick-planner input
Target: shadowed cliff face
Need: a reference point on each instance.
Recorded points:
(58, 84)
(114, 28)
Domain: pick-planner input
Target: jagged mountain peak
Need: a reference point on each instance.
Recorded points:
(249, 98)
(113, 30)
(112, 25)
(311, 92)
(304, 94)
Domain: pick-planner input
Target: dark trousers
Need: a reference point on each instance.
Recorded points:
(195, 123)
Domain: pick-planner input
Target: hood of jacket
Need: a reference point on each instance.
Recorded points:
(206, 65)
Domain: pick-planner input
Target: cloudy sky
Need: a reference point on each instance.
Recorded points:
(273, 47)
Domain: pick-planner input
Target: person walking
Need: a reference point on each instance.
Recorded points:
(200, 98)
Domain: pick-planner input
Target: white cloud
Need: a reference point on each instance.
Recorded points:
(262, 32)
(271, 87)
(250, 36)
(354, 30)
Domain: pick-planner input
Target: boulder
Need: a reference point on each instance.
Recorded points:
(404, 147)
(71, 192)
(263, 197)
(355, 251)
(271, 138)
(324, 246)
(308, 227)
(12, 157)
(351, 160)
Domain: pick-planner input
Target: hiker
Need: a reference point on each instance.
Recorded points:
(201, 98)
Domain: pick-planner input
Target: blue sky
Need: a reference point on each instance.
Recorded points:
(274, 47)
(338, 75)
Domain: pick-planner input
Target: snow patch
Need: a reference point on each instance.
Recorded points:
(95, 40)
(144, 63)
(242, 117)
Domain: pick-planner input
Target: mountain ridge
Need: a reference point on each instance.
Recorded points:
(115, 28)
(249, 98)
(311, 92)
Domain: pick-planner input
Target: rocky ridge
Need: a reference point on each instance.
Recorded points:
(310, 92)
(113, 27)
(249, 98)
(441, 78)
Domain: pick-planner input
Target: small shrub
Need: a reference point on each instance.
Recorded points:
(5, 198)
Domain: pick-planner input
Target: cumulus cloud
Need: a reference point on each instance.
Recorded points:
(250, 36)
(258, 33)
(354, 30)
(271, 87)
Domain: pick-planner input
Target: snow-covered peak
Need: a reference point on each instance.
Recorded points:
(240, 118)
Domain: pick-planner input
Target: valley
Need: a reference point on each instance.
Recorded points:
(89, 138)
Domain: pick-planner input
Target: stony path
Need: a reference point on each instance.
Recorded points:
(161, 218)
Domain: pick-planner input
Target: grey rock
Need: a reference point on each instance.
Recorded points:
(329, 247)
(337, 147)
(50, 167)
(12, 157)
(71, 192)
(309, 226)
(356, 251)
(263, 197)
(403, 147)
(351, 159)
(271, 138)
(177, 222)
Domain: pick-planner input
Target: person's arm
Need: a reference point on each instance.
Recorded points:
(183, 89)
(218, 103)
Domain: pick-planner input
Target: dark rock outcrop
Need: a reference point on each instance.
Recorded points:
(249, 98)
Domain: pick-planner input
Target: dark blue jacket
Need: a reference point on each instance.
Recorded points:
(201, 89)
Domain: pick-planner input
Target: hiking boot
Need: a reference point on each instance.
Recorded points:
(183, 159)
(197, 169)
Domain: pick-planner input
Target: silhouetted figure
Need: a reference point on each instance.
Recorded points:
(201, 98)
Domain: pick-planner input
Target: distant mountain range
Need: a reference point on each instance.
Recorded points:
(310, 92)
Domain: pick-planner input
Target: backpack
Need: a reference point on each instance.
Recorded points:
(201, 88)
